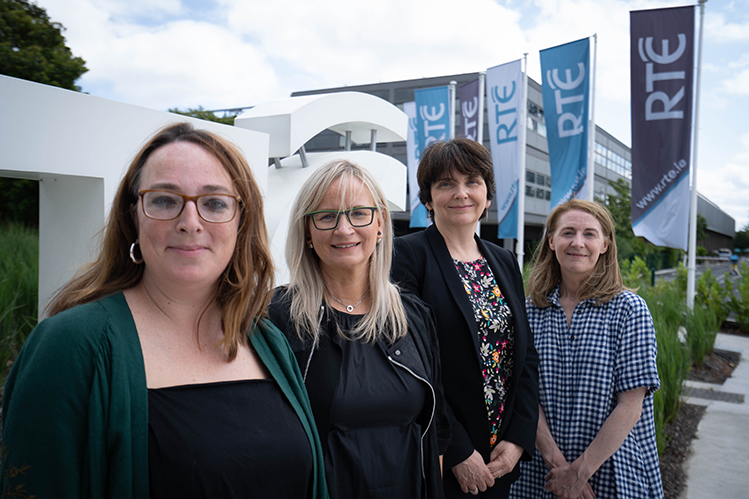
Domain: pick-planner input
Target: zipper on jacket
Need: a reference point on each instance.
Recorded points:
(314, 344)
(431, 417)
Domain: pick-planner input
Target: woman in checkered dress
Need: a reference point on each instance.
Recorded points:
(597, 372)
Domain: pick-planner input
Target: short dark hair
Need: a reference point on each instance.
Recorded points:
(461, 155)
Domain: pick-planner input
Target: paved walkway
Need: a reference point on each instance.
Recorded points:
(718, 464)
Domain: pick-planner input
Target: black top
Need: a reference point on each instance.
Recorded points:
(374, 439)
(233, 439)
(415, 353)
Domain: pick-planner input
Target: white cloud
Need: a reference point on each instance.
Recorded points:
(718, 28)
(739, 84)
(728, 184)
(388, 41)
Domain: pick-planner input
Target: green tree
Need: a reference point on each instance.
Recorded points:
(620, 206)
(741, 241)
(202, 114)
(628, 244)
(32, 46)
(701, 227)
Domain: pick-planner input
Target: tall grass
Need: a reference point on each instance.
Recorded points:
(19, 278)
(702, 328)
(667, 307)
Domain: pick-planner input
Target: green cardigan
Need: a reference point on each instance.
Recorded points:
(75, 408)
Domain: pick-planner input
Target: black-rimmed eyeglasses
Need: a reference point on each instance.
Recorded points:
(168, 205)
(361, 216)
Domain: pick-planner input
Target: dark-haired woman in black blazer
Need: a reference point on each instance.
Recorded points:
(489, 363)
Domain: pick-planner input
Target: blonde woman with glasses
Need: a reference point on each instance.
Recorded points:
(368, 355)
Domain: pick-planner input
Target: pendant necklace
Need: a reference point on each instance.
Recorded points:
(349, 308)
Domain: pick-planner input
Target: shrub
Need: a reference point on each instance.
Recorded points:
(711, 294)
(635, 273)
(740, 300)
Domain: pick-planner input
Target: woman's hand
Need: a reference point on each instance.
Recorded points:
(568, 482)
(473, 475)
(504, 457)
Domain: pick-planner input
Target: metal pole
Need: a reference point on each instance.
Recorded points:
(303, 157)
(348, 140)
(480, 131)
(591, 173)
(373, 140)
(452, 86)
(691, 266)
(520, 249)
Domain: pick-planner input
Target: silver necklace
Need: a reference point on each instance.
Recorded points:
(349, 308)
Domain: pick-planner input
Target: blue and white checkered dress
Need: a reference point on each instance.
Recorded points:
(609, 348)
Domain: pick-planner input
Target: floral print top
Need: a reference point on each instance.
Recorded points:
(496, 336)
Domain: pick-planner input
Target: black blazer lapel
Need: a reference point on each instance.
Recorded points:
(452, 281)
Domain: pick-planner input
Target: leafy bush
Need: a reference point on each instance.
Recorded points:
(635, 273)
(740, 303)
(711, 294)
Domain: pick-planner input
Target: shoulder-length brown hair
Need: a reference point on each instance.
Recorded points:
(603, 283)
(244, 287)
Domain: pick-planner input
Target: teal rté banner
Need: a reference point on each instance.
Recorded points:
(565, 71)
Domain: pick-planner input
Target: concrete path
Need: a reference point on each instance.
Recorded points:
(718, 464)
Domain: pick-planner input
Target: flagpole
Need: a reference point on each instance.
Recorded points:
(480, 124)
(691, 265)
(591, 172)
(520, 249)
(453, 86)
(480, 131)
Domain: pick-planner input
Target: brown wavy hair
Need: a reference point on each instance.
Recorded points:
(244, 287)
(603, 283)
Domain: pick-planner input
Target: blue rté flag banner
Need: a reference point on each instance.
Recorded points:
(565, 71)
(432, 124)
(504, 84)
(661, 59)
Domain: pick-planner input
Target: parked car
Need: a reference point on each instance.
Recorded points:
(724, 253)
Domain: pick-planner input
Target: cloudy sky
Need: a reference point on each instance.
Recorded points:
(221, 54)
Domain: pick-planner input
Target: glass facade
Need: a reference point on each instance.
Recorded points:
(613, 161)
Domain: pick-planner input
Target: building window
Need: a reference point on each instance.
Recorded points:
(548, 195)
(540, 194)
(529, 191)
(530, 177)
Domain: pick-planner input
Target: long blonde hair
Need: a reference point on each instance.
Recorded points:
(243, 291)
(603, 283)
(386, 318)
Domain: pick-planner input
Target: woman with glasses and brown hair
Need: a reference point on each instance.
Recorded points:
(368, 355)
(156, 373)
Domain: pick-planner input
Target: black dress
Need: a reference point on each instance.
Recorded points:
(374, 439)
(233, 439)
